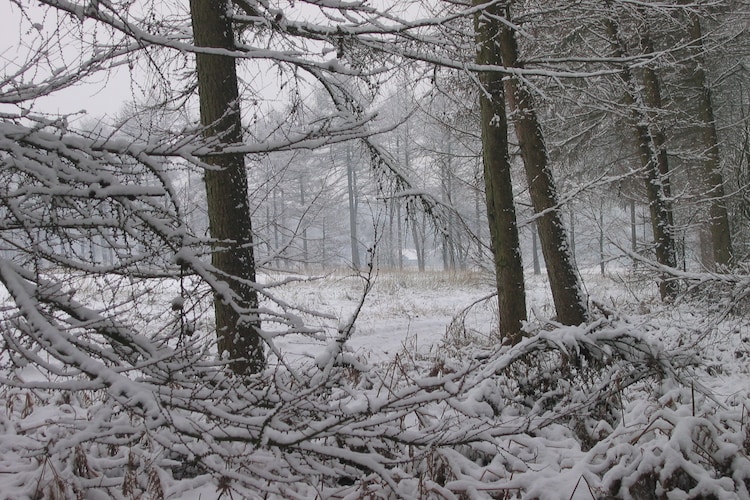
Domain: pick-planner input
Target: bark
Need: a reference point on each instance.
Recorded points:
(654, 171)
(721, 241)
(418, 237)
(535, 249)
(391, 239)
(653, 101)
(478, 216)
(601, 236)
(417, 232)
(400, 238)
(305, 250)
(228, 206)
(567, 292)
(501, 213)
(446, 196)
(351, 182)
(633, 228)
(572, 218)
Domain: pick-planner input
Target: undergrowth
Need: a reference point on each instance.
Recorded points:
(597, 411)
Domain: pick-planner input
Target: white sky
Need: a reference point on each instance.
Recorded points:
(104, 94)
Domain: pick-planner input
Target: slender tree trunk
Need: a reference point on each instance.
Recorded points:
(276, 231)
(416, 232)
(391, 242)
(657, 185)
(567, 292)
(653, 101)
(269, 225)
(535, 249)
(323, 244)
(400, 238)
(478, 218)
(418, 237)
(351, 181)
(237, 323)
(721, 240)
(601, 236)
(305, 255)
(572, 218)
(448, 246)
(501, 212)
(633, 228)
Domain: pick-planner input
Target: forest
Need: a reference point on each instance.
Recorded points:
(372, 249)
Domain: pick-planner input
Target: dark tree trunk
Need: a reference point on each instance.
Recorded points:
(305, 250)
(535, 249)
(391, 240)
(653, 101)
(226, 191)
(567, 292)
(653, 166)
(601, 236)
(446, 194)
(721, 240)
(572, 219)
(501, 213)
(633, 228)
(399, 238)
(351, 181)
(418, 237)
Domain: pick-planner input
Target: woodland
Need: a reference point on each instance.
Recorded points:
(439, 249)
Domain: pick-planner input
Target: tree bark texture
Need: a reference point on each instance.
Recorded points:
(501, 213)
(228, 206)
(653, 102)
(567, 292)
(721, 240)
(351, 183)
(655, 171)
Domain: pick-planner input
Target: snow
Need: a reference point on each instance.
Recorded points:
(418, 368)
(390, 384)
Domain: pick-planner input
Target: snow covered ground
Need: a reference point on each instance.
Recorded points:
(411, 314)
(664, 416)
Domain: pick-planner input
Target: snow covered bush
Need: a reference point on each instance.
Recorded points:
(99, 399)
(113, 387)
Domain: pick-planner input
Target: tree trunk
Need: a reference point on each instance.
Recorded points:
(478, 217)
(633, 228)
(535, 249)
(351, 182)
(305, 252)
(277, 213)
(601, 236)
(323, 241)
(567, 292)
(572, 219)
(657, 184)
(501, 212)
(228, 206)
(446, 194)
(653, 101)
(400, 238)
(416, 231)
(721, 240)
(418, 237)
(391, 240)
